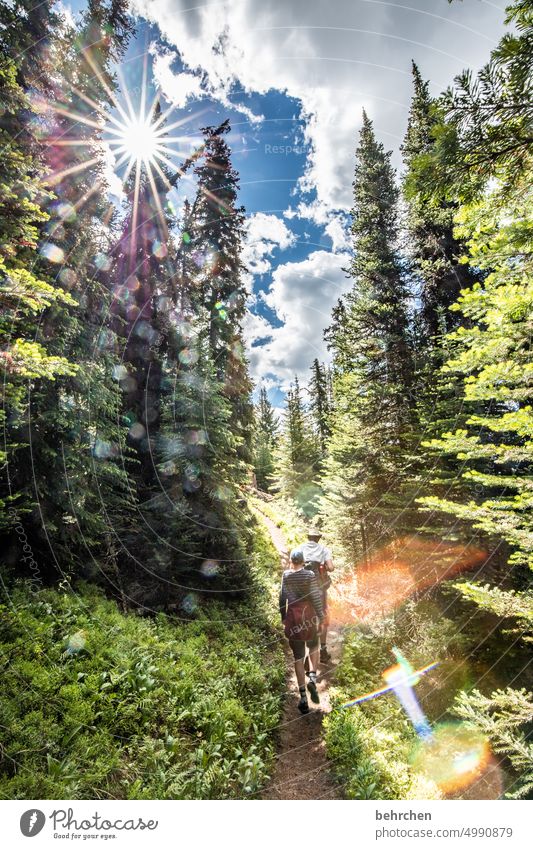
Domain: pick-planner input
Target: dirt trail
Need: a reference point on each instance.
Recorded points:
(302, 767)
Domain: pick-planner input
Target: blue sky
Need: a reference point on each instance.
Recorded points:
(293, 77)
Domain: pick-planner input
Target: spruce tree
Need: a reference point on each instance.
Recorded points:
(297, 457)
(266, 431)
(373, 370)
(217, 225)
(80, 486)
(435, 251)
(24, 293)
(320, 403)
(440, 275)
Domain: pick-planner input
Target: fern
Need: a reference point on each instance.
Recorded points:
(500, 716)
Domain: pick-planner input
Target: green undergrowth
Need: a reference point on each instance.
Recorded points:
(371, 746)
(97, 703)
(286, 516)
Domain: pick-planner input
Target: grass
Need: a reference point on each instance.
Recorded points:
(286, 516)
(97, 703)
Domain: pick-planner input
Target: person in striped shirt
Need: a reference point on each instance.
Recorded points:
(302, 612)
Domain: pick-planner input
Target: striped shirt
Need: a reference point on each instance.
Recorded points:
(300, 585)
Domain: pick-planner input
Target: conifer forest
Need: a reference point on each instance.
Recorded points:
(156, 476)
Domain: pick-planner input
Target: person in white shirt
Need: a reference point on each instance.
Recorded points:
(318, 558)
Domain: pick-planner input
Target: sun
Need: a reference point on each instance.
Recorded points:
(140, 140)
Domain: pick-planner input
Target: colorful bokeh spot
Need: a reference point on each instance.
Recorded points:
(105, 450)
(455, 757)
(65, 211)
(189, 603)
(221, 309)
(188, 356)
(76, 642)
(68, 277)
(159, 249)
(196, 437)
(52, 252)
(102, 262)
(209, 568)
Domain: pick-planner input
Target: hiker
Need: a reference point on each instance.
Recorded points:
(300, 604)
(318, 558)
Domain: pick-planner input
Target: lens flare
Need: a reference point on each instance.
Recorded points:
(76, 642)
(411, 564)
(401, 679)
(138, 139)
(455, 757)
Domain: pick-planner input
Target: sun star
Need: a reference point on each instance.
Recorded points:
(139, 139)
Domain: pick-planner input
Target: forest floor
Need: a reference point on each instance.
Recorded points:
(302, 769)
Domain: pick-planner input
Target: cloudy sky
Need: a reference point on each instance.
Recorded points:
(293, 76)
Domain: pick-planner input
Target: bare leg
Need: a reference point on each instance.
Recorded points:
(300, 672)
(313, 660)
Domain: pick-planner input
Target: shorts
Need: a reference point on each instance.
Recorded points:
(298, 647)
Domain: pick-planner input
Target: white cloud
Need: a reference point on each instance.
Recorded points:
(334, 58)
(256, 327)
(302, 295)
(178, 88)
(333, 222)
(265, 233)
(338, 234)
(115, 188)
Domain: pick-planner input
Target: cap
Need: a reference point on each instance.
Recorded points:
(314, 532)
(297, 556)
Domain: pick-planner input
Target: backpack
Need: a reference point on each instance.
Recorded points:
(321, 573)
(301, 621)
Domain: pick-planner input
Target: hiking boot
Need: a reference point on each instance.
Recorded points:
(324, 654)
(311, 686)
(303, 705)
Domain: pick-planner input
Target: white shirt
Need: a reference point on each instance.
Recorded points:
(315, 551)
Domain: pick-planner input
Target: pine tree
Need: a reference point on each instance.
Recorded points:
(266, 431)
(73, 465)
(217, 231)
(320, 404)
(297, 457)
(373, 370)
(435, 251)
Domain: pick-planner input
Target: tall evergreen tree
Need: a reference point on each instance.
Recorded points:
(490, 354)
(435, 254)
(217, 225)
(74, 465)
(320, 403)
(266, 431)
(373, 370)
(435, 251)
(297, 457)
(180, 399)
(24, 291)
